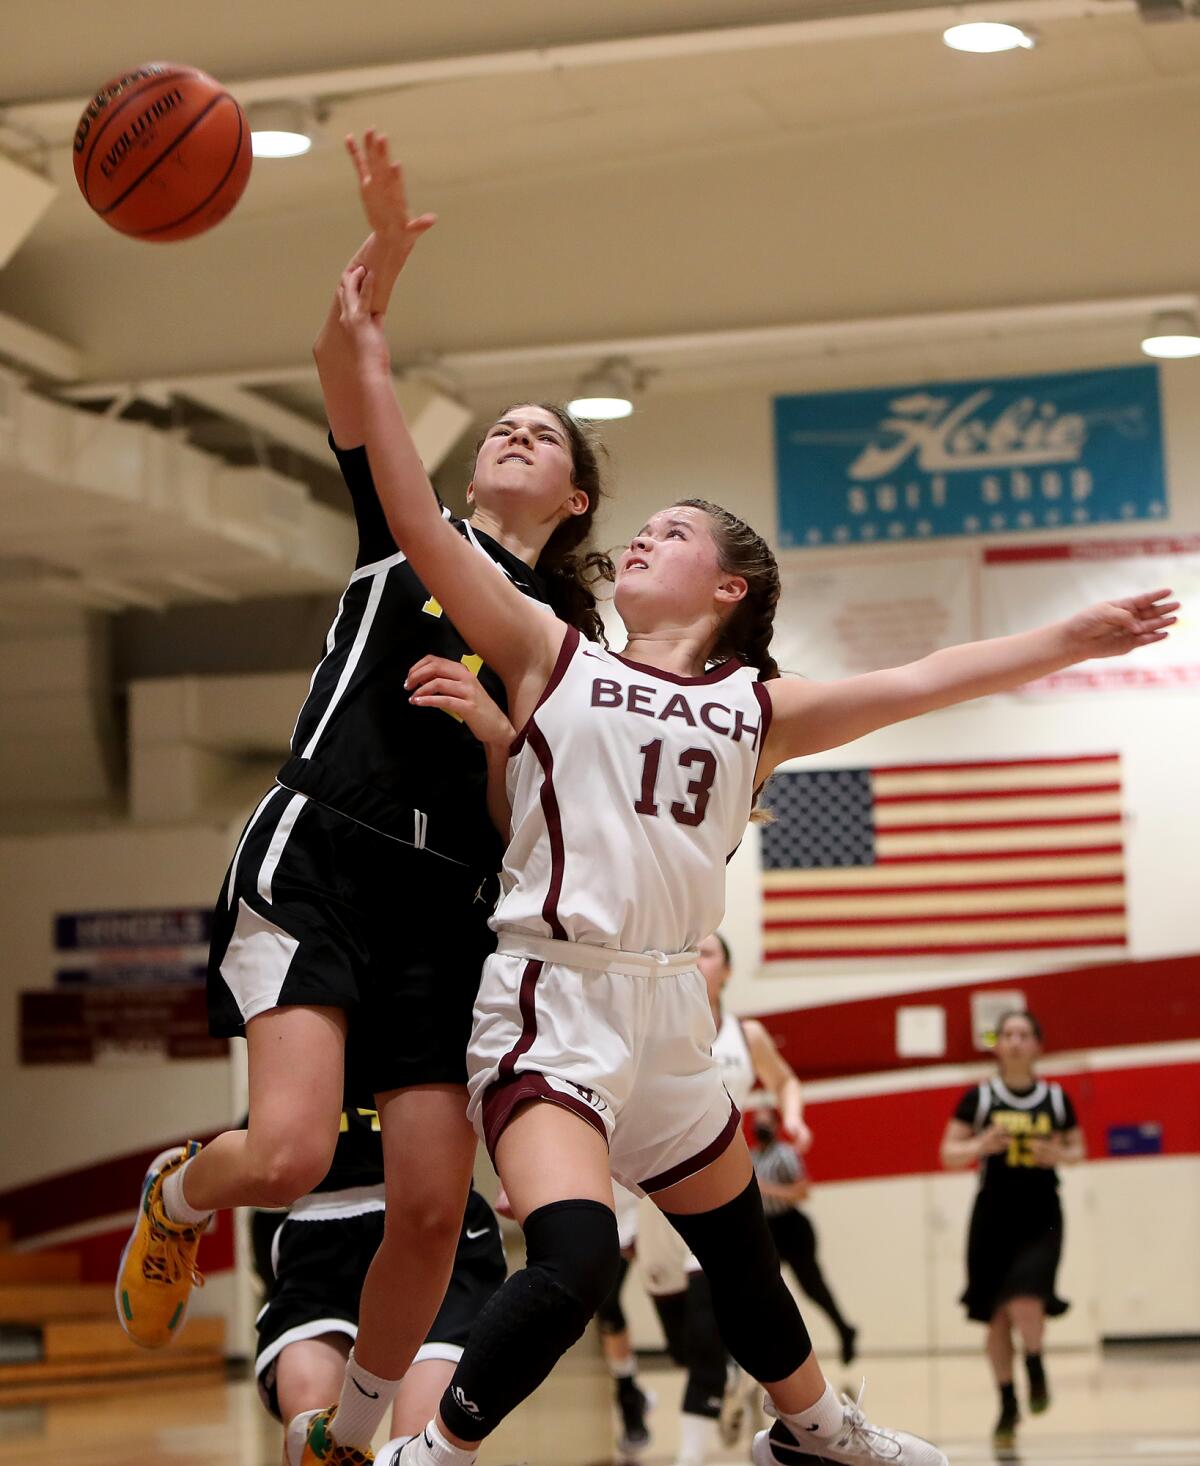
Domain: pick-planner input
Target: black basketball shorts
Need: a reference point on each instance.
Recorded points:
(321, 1255)
(319, 910)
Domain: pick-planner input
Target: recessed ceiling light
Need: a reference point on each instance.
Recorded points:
(281, 129)
(606, 393)
(1173, 336)
(987, 36)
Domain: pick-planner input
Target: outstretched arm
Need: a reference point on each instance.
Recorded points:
(811, 716)
(383, 252)
(513, 634)
(774, 1072)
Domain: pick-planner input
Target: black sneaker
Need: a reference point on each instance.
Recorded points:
(1039, 1390)
(1004, 1436)
(633, 1403)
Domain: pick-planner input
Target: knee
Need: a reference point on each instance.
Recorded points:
(428, 1221)
(291, 1168)
(575, 1244)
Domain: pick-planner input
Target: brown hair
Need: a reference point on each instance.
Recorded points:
(569, 571)
(740, 551)
(1035, 1026)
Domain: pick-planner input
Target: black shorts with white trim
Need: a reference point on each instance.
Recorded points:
(319, 910)
(321, 1259)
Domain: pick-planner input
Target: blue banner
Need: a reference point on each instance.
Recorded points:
(970, 458)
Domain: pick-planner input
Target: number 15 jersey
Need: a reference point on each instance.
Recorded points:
(630, 789)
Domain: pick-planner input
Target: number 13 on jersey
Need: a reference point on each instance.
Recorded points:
(702, 760)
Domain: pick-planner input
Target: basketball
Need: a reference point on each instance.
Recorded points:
(162, 152)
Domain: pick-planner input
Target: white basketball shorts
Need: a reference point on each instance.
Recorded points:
(623, 1039)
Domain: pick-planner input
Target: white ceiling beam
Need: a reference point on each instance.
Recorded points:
(54, 118)
(289, 428)
(758, 344)
(766, 343)
(39, 352)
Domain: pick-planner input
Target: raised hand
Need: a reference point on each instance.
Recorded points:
(360, 326)
(384, 198)
(1112, 628)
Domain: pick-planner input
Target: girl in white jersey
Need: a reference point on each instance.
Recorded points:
(747, 1058)
(630, 785)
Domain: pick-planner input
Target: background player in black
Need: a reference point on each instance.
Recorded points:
(1018, 1128)
(361, 887)
(319, 1258)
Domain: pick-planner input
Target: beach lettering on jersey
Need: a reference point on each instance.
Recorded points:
(662, 704)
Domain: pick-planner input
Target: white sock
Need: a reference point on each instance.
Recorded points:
(823, 1420)
(434, 1449)
(365, 1400)
(697, 1438)
(623, 1368)
(175, 1203)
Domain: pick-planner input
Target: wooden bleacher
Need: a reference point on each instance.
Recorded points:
(84, 1350)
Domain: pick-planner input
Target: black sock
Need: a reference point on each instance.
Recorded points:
(628, 1390)
(1037, 1374)
(1008, 1397)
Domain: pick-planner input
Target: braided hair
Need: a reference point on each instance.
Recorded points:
(748, 630)
(569, 571)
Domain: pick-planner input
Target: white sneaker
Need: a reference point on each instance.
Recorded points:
(858, 1443)
(405, 1450)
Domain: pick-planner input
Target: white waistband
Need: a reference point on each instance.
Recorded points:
(323, 1206)
(514, 943)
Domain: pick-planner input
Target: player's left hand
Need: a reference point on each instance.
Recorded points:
(802, 1138)
(437, 682)
(1112, 628)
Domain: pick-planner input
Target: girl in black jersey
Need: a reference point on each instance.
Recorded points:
(360, 889)
(1018, 1128)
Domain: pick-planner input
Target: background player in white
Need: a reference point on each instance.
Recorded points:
(714, 1396)
(1017, 1128)
(592, 1024)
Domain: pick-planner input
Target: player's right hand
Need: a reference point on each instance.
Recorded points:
(384, 197)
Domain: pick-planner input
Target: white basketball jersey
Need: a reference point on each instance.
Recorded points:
(732, 1053)
(630, 788)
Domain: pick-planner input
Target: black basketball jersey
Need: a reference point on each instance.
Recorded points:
(417, 774)
(358, 1155)
(1032, 1114)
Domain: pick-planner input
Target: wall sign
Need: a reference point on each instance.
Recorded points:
(970, 458)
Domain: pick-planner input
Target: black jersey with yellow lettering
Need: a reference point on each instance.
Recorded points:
(1032, 1114)
(359, 747)
(358, 1155)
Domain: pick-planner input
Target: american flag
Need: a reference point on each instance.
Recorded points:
(938, 859)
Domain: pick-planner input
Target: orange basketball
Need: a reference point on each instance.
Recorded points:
(162, 152)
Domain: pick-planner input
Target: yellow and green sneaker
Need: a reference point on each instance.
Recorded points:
(309, 1442)
(158, 1266)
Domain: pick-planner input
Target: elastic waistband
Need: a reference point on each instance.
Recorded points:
(324, 1206)
(514, 943)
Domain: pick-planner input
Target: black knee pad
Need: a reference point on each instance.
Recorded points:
(572, 1259)
(756, 1315)
(575, 1244)
(610, 1316)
